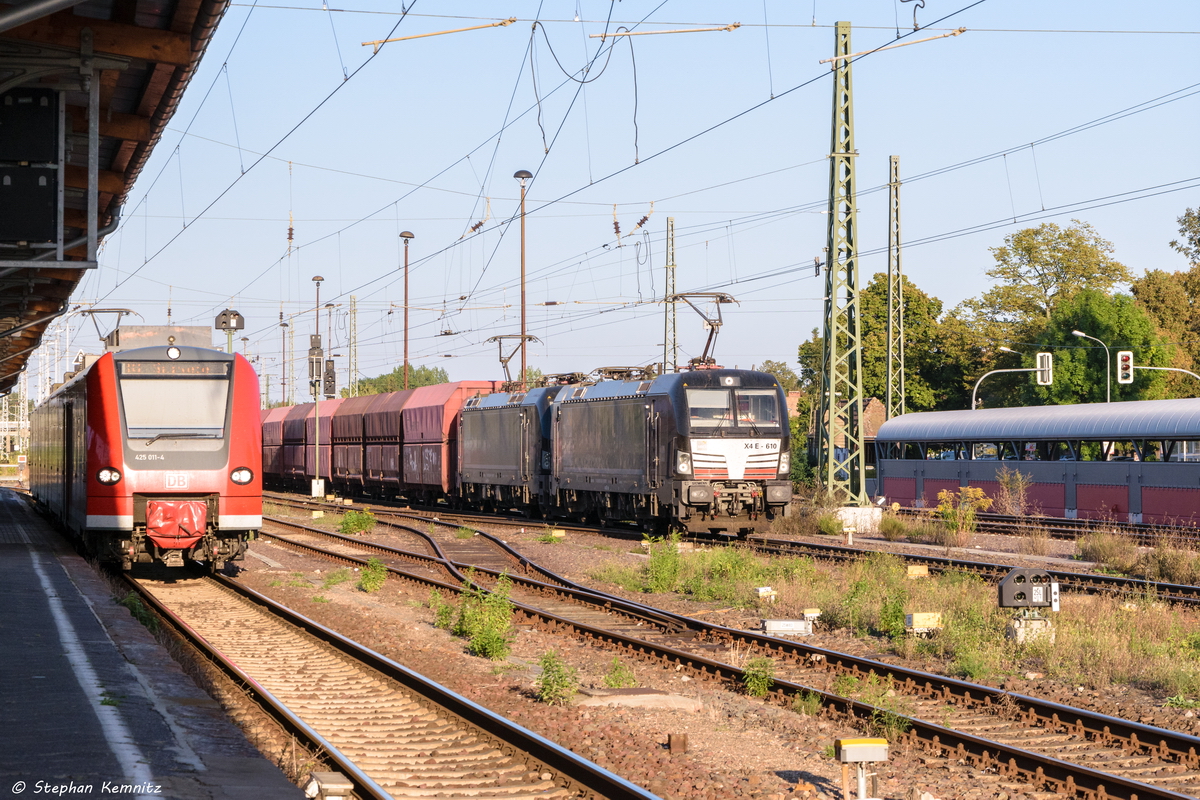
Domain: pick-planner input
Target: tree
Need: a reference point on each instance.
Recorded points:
(1038, 268)
(1080, 368)
(394, 381)
(788, 380)
(1189, 228)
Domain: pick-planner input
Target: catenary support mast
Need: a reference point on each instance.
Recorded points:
(895, 277)
(670, 340)
(842, 456)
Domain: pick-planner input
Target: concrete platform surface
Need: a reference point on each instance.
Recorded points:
(90, 704)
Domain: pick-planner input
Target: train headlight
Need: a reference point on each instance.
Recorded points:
(108, 476)
(785, 463)
(173, 352)
(241, 475)
(683, 463)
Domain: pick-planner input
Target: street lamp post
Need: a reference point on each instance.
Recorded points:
(1107, 364)
(975, 390)
(523, 175)
(406, 235)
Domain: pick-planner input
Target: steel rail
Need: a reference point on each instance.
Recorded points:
(1009, 760)
(1087, 581)
(364, 786)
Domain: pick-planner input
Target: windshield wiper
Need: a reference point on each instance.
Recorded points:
(179, 436)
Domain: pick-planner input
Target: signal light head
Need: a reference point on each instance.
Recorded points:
(241, 476)
(108, 475)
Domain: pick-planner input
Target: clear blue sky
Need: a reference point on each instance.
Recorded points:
(426, 136)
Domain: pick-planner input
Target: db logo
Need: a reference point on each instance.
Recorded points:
(177, 480)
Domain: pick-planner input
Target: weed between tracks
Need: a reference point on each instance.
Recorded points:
(1099, 640)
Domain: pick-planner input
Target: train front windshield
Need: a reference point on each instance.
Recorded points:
(710, 409)
(175, 400)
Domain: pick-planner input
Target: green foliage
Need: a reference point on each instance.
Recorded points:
(463, 533)
(806, 703)
(558, 682)
(373, 576)
(845, 684)
(338, 576)
(1039, 268)
(959, 509)
(619, 675)
(662, 571)
(1109, 549)
(1080, 371)
(485, 619)
(356, 522)
(394, 380)
(443, 612)
(139, 611)
(1189, 230)
(892, 528)
(891, 615)
(317, 598)
(758, 676)
(829, 524)
(783, 374)
(1180, 701)
(548, 537)
(627, 578)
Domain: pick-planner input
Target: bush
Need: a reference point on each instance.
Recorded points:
(1013, 497)
(485, 619)
(619, 676)
(463, 533)
(662, 571)
(356, 522)
(807, 703)
(892, 528)
(829, 524)
(443, 612)
(373, 576)
(1169, 564)
(959, 510)
(558, 682)
(1110, 550)
(758, 676)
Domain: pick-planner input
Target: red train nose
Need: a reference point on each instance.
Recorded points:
(175, 524)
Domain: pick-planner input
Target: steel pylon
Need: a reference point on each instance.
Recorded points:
(841, 448)
(894, 402)
(670, 333)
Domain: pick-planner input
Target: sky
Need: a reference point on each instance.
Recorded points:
(1038, 112)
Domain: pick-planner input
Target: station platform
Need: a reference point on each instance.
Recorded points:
(90, 704)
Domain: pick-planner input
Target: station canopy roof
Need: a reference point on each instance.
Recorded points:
(1141, 419)
(142, 54)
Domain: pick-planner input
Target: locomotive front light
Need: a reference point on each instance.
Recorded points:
(683, 463)
(241, 476)
(108, 476)
(173, 352)
(785, 463)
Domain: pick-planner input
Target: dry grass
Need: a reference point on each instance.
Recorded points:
(1169, 562)
(1110, 550)
(1035, 540)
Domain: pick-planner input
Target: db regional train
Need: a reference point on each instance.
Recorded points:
(153, 455)
(1135, 462)
(706, 446)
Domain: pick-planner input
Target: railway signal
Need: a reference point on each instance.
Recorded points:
(1124, 366)
(330, 380)
(316, 359)
(1045, 369)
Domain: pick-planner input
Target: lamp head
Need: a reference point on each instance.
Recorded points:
(522, 174)
(406, 235)
(1078, 333)
(1006, 349)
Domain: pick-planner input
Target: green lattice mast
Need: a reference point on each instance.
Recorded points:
(895, 278)
(841, 452)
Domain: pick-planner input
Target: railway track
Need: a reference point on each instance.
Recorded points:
(391, 731)
(1018, 737)
(1073, 529)
(769, 545)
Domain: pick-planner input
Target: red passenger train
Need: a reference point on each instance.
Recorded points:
(154, 455)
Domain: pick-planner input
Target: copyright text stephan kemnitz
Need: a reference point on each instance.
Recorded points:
(80, 789)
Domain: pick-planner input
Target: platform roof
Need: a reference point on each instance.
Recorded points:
(1141, 419)
(144, 53)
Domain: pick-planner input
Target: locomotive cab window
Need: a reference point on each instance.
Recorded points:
(176, 400)
(739, 408)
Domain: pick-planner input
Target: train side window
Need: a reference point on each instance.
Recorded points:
(985, 451)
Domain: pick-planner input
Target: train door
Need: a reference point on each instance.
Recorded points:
(653, 461)
(68, 462)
